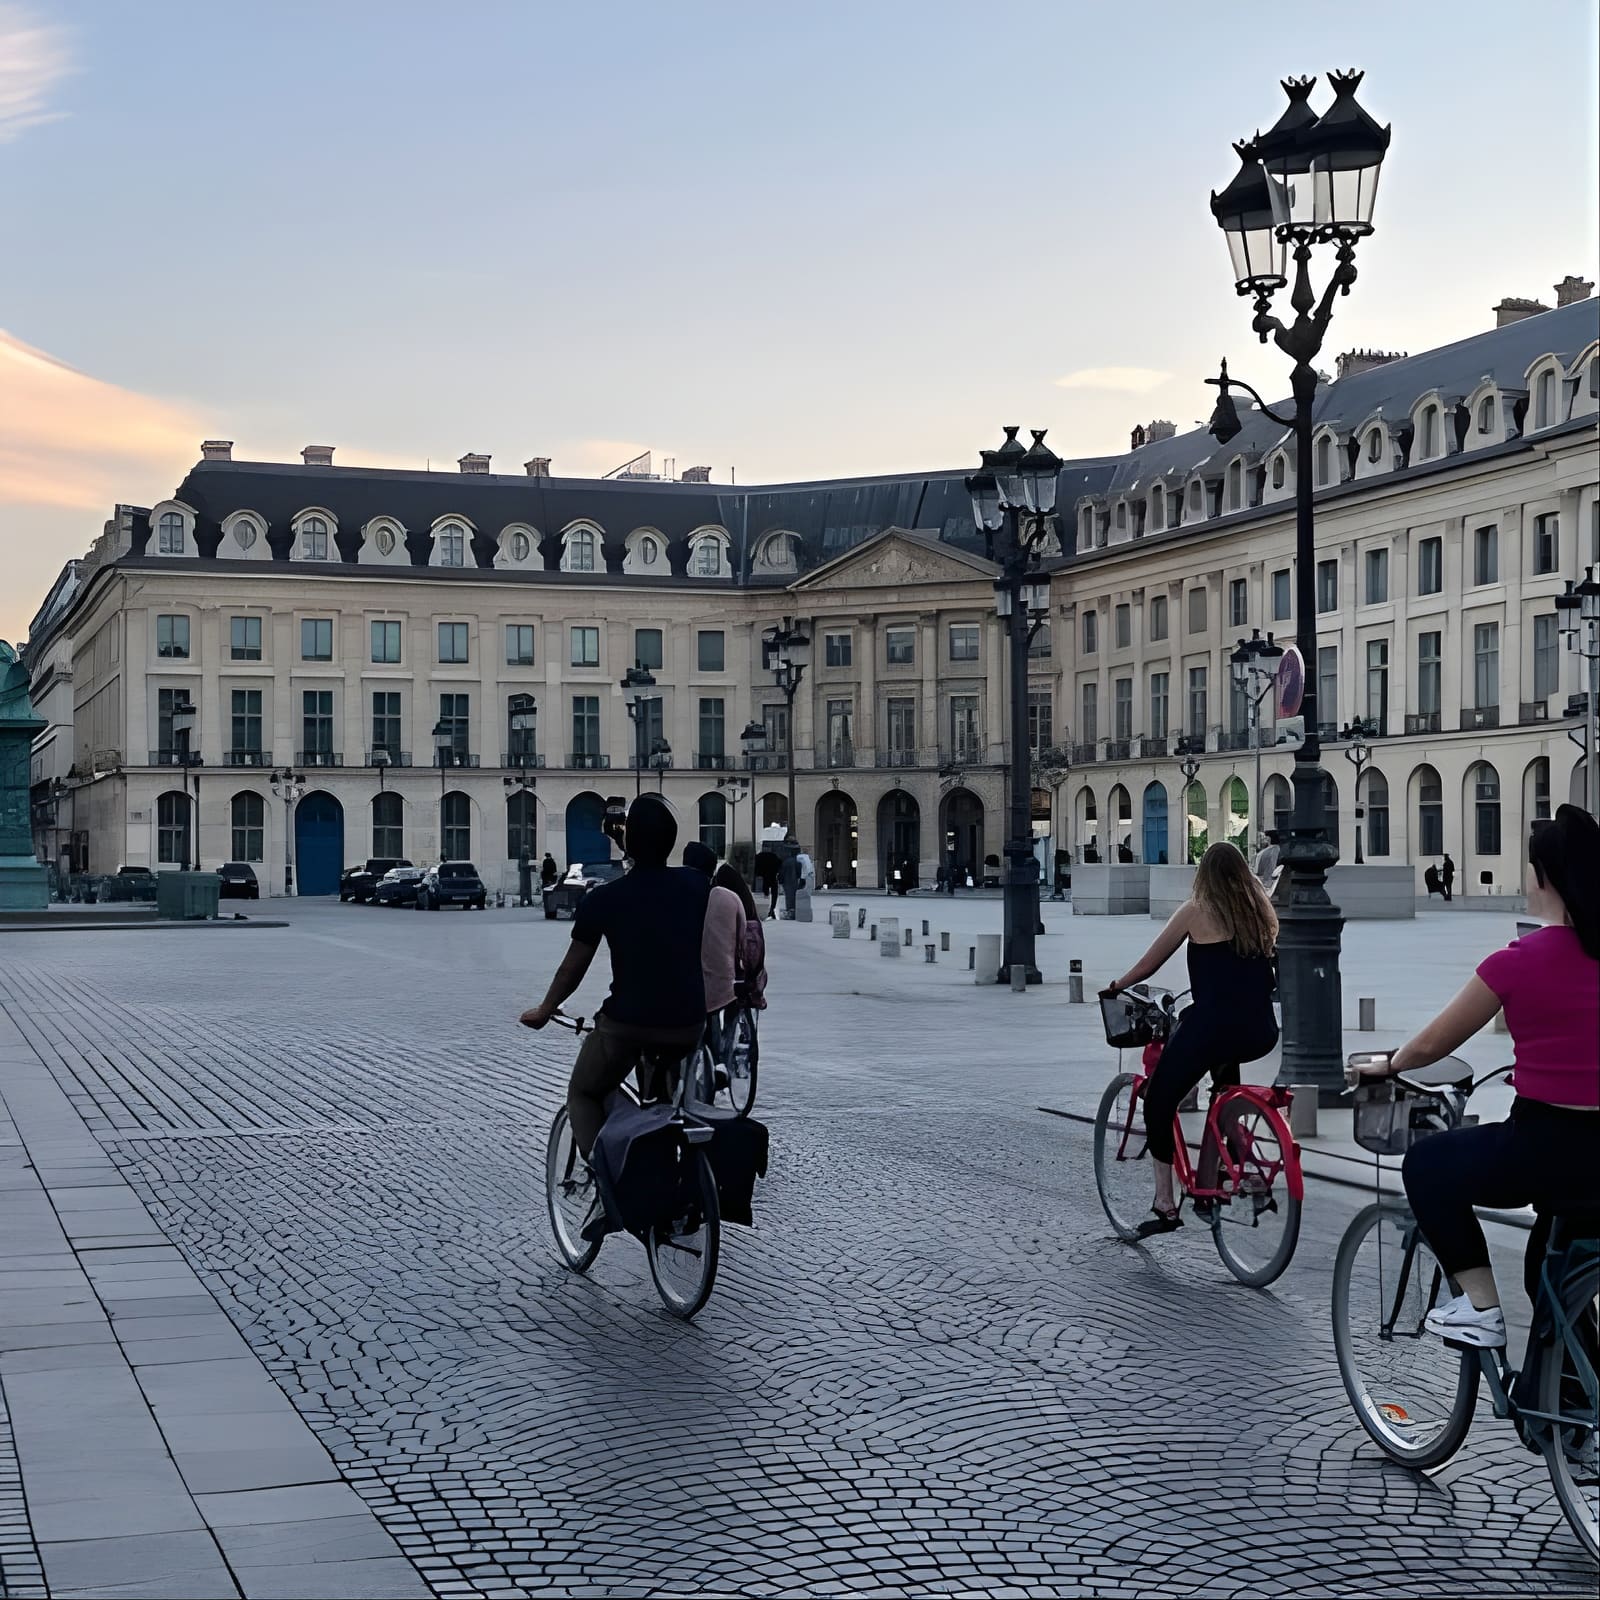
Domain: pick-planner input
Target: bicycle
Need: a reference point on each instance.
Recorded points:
(1415, 1393)
(683, 1249)
(732, 1060)
(1254, 1202)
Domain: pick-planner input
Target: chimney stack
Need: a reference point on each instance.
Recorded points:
(1136, 438)
(317, 455)
(216, 449)
(696, 475)
(478, 466)
(1571, 290)
(1353, 362)
(537, 467)
(1513, 310)
(1159, 430)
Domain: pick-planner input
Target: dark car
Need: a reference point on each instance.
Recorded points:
(451, 883)
(398, 886)
(238, 881)
(357, 883)
(563, 897)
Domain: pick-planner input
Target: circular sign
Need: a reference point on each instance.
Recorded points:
(1291, 687)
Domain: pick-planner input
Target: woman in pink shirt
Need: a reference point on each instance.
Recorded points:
(1543, 1155)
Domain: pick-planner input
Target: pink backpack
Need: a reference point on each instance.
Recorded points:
(753, 961)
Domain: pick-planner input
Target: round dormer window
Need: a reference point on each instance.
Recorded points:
(648, 552)
(244, 533)
(385, 541)
(520, 546)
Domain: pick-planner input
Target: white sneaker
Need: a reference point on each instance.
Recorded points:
(1461, 1323)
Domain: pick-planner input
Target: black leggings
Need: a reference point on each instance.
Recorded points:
(1202, 1042)
(1542, 1156)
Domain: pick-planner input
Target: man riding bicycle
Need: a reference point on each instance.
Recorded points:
(653, 920)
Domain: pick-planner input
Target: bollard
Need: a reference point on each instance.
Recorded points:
(924, 927)
(1019, 978)
(872, 933)
(889, 937)
(908, 938)
(927, 954)
(1368, 1009)
(944, 943)
(988, 967)
(1303, 1110)
(1074, 983)
(839, 920)
(972, 958)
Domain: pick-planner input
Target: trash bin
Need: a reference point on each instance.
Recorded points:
(187, 896)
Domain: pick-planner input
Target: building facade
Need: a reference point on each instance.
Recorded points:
(384, 636)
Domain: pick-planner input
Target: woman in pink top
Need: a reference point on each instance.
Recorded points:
(1548, 984)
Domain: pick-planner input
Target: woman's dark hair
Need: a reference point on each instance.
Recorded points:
(650, 832)
(1565, 855)
(729, 876)
(701, 857)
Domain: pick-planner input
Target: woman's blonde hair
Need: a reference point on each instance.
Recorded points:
(1231, 892)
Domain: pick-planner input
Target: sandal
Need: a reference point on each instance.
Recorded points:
(1159, 1222)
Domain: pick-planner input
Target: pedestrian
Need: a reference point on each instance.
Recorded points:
(1267, 857)
(1430, 882)
(1125, 851)
(1448, 877)
(752, 950)
(767, 867)
(790, 876)
(808, 871)
(549, 873)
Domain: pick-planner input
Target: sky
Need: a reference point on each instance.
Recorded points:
(854, 236)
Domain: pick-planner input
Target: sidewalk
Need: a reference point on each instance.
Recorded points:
(144, 1449)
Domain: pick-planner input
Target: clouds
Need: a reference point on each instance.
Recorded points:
(1124, 380)
(34, 57)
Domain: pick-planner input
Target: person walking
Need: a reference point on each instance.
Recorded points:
(549, 873)
(767, 868)
(1266, 863)
(1448, 877)
(791, 876)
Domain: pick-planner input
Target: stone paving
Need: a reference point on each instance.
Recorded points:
(928, 1366)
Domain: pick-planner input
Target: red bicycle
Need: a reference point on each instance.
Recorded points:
(1248, 1185)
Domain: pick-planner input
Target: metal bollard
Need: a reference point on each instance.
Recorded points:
(1368, 1009)
(1019, 978)
(1075, 983)
(944, 943)
(908, 938)
(972, 958)
(1303, 1110)
(927, 954)
(873, 935)
(924, 928)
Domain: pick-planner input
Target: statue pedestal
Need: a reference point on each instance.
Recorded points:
(24, 885)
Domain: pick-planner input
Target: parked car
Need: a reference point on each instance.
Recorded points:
(581, 877)
(238, 881)
(129, 883)
(451, 883)
(398, 886)
(357, 883)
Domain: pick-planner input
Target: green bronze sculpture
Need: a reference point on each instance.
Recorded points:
(23, 885)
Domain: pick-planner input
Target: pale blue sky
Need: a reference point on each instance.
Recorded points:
(797, 241)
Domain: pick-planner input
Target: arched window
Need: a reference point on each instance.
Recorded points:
(778, 552)
(1277, 472)
(1430, 812)
(169, 534)
(1485, 783)
(1429, 434)
(1088, 825)
(1277, 804)
(455, 835)
(580, 550)
(172, 829)
(450, 545)
(522, 815)
(244, 536)
(1545, 402)
(1594, 377)
(1377, 813)
(388, 826)
(1539, 782)
(314, 539)
(1235, 485)
(521, 546)
(1194, 805)
(1158, 508)
(707, 559)
(1375, 445)
(1330, 804)
(385, 539)
(1486, 414)
(713, 819)
(247, 813)
(649, 551)
(1324, 459)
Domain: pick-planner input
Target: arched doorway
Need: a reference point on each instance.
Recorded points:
(774, 812)
(1088, 825)
(961, 829)
(1277, 803)
(318, 843)
(837, 834)
(586, 840)
(1155, 823)
(1427, 790)
(522, 827)
(712, 822)
(1199, 835)
(1235, 813)
(1119, 823)
(900, 836)
(388, 826)
(455, 826)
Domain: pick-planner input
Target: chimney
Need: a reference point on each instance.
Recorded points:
(1137, 438)
(1512, 310)
(478, 466)
(696, 475)
(1353, 362)
(538, 467)
(1571, 290)
(216, 449)
(1159, 430)
(317, 455)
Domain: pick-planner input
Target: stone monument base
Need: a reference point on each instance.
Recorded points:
(24, 884)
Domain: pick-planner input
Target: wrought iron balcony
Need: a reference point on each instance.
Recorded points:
(455, 758)
(1422, 722)
(523, 760)
(588, 761)
(713, 761)
(836, 755)
(175, 758)
(1234, 739)
(768, 761)
(394, 758)
(318, 758)
(1533, 711)
(895, 758)
(1085, 755)
(1480, 717)
(1153, 745)
(247, 758)
(962, 755)
(1118, 749)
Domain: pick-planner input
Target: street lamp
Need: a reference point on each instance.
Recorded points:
(634, 682)
(184, 717)
(1358, 755)
(1578, 617)
(288, 786)
(1255, 674)
(787, 648)
(1318, 177)
(753, 741)
(380, 759)
(1013, 504)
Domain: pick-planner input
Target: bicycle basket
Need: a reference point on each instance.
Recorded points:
(1389, 1120)
(1127, 1021)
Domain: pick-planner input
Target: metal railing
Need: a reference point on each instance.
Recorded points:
(713, 761)
(768, 761)
(247, 758)
(1234, 739)
(522, 760)
(836, 755)
(1084, 755)
(895, 758)
(393, 757)
(318, 758)
(1153, 745)
(1480, 716)
(588, 761)
(455, 758)
(175, 758)
(1422, 722)
(1533, 711)
(1118, 749)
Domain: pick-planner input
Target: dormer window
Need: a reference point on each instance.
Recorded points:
(1194, 499)
(1428, 434)
(314, 539)
(521, 546)
(1122, 515)
(244, 533)
(1486, 414)
(708, 556)
(169, 534)
(580, 551)
(1235, 485)
(1324, 459)
(384, 539)
(1544, 410)
(450, 545)
(1375, 445)
(1158, 508)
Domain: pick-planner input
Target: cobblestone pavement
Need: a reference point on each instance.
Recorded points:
(929, 1365)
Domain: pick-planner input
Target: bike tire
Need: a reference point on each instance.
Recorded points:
(566, 1197)
(1450, 1376)
(704, 1244)
(742, 1082)
(1228, 1229)
(1574, 1466)
(1126, 1182)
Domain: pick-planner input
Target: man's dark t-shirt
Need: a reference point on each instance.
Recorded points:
(653, 919)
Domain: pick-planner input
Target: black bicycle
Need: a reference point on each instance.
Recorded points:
(1414, 1392)
(730, 1062)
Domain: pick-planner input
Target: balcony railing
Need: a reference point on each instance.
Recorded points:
(962, 755)
(1234, 739)
(769, 761)
(318, 758)
(175, 758)
(588, 761)
(1153, 745)
(1118, 749)
(713, 761)
(522, 760)
(1084, 755)
(1533, 711)
(895, 758)
(1422, 722)
(247, 758)
(1480, 716)
(393, 757)
(836, 755)
(455, 758)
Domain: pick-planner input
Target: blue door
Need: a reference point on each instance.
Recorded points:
(318, 844)
(1155, 823)
(586, 840)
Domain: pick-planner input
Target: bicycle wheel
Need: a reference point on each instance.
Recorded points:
(744, 1050)
(1567, 1375)
(1123, 1171)
(1411, 1391)
(1257, 1227)
(569, 1193)
(683, 1252)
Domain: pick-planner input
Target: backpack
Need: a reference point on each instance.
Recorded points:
(752, 958)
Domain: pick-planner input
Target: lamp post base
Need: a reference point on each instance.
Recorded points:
(1021, 913)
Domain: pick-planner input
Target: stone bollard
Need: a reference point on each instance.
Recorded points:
(988, 967)
(1368, 1018)
(924, 927)
(1019, 978)
(889, 937)
(972, 958)
(872, 933)
(944, 943)
(908, 938)
(927, 954)
(1303, 1110)
(1075, 983)
(839, 919)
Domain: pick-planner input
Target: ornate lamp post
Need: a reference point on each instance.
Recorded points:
(1578, 613)
(288, 787)
(184, 718)
(635, 681)
(1358, 755)
(1255, 672)
(1014, 502)
(787, 648)
(1307, 181)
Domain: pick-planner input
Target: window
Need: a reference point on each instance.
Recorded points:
(1238, 707)
(1430, 813)
(386, 729)
(1486, 555)
(519, 643)
(1324, 459)
(1377, 814)
(1238, 603)
(455, 827)
(168, 701)
(1089, 721)
(1158, 508)
(837, 649)
(1122, 515)
(1378, 683)
(902, 730)
(1546, 542)
(1197, 703)
(316, 638)
(386, 642)
(1377, 564)
(1122, 625)
(841, 749)
(1327, 586)
(1486, 665)
(1281, 602)
(1375, 445)
(1041, 720)
(712, 817)
(586, 725)
(1158, 705)
(1328, 685)
(1546, 657)
(711, 748)
(711, 651)
(1430, 692)
(963, 641)
(1540, 768)
(452, 642)
(248, 815)
(1235, 485)
(1158, 617)
(172, 638)
(388, 826)
(1485, 783)
(1197, 611)
(455, 724)
(1277, 472)
(450, 545)
(169, 534)
(1091, 632)
(647, 648)
(314, 539)
(384, 538)
(648, 551)
(964, 746)
(1428, 437)
(1486, 414)
(244, 638)
(579, 554)
(775, 720)
(246, 730)
(1122, 709)
(172, 829)
(1430, 566)
(521, 546)
(585, 647)
(900, 646)
(522, 821)
(1039, 644)
(707, 559)
(316, 723)
(1195, 493)
(1545, 400)
(521, 729)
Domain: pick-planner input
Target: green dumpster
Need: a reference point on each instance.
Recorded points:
(187, 896)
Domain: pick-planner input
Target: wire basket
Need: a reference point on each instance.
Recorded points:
(1389, 1120)
(1127, 1021)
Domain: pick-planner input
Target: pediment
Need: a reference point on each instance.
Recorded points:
(897, 558)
